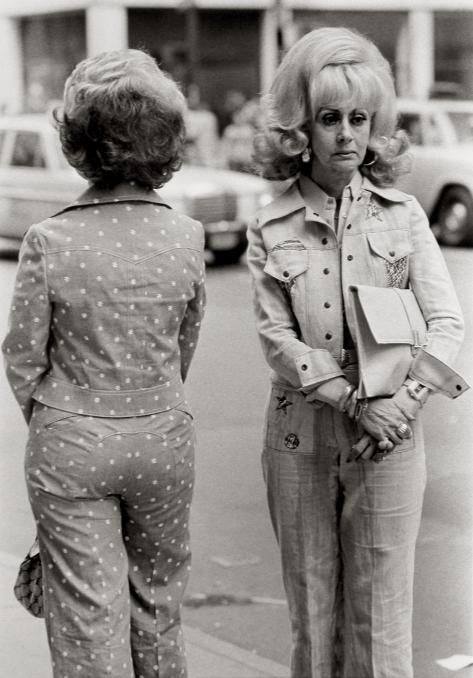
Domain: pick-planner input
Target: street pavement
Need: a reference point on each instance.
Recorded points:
(235, 554)
(24, 651)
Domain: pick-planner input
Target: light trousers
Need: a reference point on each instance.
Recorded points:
(347, 534)
(111, 499)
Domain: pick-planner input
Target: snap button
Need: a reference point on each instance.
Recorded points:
(392, 253)
(303, 367)
(324, 241)
(326, 271)
(458, 387)
(286, 274)
(327, 304)
(350, 257)
(328, 336)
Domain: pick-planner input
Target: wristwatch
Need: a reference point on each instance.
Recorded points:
(417, 390)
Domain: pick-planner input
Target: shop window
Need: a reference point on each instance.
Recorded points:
(27, 150)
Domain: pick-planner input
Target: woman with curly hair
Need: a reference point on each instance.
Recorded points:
(346, 524)
(104, 322)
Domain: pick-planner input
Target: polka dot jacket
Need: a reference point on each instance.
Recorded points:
(107, 306)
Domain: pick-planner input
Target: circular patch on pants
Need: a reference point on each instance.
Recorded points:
(291, 441)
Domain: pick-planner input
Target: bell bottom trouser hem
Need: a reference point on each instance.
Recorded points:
(347, 534)
(111, 499)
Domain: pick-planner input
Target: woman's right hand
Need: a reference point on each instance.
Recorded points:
(368, 448)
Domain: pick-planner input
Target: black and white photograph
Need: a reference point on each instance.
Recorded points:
(236, 327)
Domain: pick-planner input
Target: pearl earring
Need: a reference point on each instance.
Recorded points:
(306, 154)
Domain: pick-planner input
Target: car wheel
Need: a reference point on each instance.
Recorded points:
(454, 223)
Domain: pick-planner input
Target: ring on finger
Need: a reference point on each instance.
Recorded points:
(404, 431)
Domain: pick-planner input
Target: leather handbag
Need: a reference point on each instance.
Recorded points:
(28, 588)
(389, 327)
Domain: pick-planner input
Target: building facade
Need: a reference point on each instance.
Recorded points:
(217, 46)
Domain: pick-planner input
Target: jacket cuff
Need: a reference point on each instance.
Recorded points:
(437, 375)
(316, 366)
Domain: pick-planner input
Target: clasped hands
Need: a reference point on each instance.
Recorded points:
(385, 421)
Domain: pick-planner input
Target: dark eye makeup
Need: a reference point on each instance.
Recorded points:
(334, 116)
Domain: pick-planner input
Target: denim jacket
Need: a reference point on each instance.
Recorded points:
(302, 273)
(107, 306)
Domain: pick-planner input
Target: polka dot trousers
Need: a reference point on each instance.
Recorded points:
(111, 498)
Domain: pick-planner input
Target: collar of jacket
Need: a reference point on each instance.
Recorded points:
(124, 192)
(291, 200)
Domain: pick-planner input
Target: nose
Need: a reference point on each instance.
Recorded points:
(344, 134)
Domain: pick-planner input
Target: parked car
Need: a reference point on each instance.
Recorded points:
(36, 181)
(441, 133)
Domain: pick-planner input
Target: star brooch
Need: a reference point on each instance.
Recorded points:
(374, 211)
(283, 403)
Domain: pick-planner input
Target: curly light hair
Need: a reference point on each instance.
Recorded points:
(325, 67)
(122, 119)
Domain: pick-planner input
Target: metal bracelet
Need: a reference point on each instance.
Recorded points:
(361, 407)
(417, 391)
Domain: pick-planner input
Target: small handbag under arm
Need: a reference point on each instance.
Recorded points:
(28, 588)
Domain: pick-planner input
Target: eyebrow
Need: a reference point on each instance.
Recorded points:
(333, 109)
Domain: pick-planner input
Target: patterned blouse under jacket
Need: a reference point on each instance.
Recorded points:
(107, 306)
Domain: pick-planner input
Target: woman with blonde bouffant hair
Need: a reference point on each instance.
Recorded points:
(104, 322)
(345, 473)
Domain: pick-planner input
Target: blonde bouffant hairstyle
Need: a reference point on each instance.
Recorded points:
(122, 119)
(326, 67)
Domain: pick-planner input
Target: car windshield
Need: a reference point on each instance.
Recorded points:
(463, 124)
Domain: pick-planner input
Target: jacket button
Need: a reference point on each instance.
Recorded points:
(303, 367)
(286, 274)
(324, 241)
(350, 257)
(328, 336)
(348, 227)
(392, 253)
(458, 387)
(326, 271)
(327, 304)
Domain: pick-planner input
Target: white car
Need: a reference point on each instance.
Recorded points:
(36, 181)
(441, 133)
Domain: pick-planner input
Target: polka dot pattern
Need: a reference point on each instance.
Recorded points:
(111, 499)
(107, 306)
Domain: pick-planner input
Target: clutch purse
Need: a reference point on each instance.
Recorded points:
(389, 326)
(28, 588)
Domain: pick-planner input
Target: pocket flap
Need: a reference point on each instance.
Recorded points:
(393, 315)
(286, 264)
(390, 245)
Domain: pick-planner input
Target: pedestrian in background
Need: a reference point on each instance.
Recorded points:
(346, 526)
(104, 322)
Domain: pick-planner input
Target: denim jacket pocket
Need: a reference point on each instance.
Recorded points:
(287, 264)
(391, 260)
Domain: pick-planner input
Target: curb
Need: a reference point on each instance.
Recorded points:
(227, 650)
